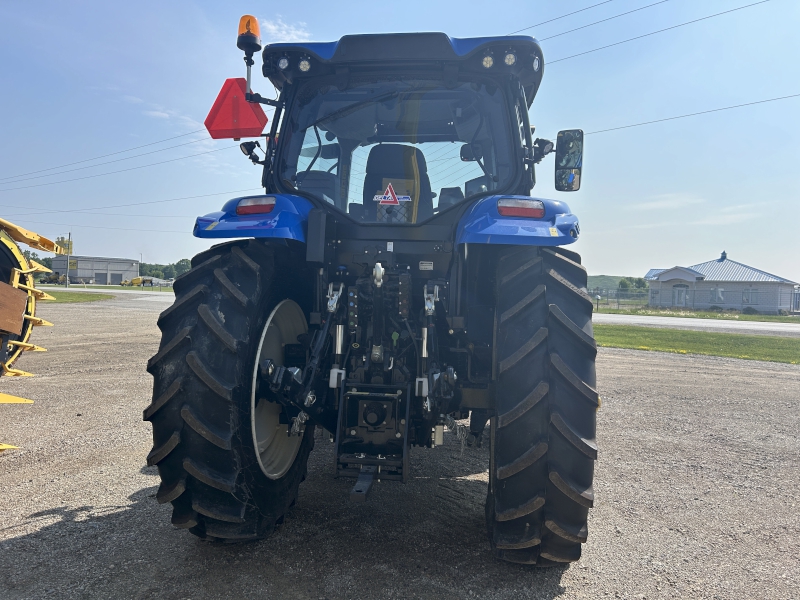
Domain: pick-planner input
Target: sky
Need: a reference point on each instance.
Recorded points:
(82, 79)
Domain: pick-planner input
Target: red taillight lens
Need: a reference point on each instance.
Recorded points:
(512, 207)
(255, 206)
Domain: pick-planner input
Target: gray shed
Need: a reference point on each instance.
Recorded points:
(96, 269)
(721, 282)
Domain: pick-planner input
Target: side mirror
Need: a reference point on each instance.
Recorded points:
(249, 150)
(471, 152)
(569, 160)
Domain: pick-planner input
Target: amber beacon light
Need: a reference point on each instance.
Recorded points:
(249, 40)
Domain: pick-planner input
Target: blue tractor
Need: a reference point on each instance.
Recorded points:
(396, 276)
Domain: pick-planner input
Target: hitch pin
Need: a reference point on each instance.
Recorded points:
(333, 297)
(431, 299)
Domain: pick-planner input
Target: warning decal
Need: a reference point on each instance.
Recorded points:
(389, 197)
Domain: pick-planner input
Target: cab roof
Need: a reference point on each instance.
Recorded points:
(424, 51)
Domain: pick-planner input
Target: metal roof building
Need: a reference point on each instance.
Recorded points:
(96, 269)
(722, 283)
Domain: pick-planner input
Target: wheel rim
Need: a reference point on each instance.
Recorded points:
(275, 450)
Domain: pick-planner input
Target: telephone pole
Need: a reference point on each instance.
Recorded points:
(69, 247)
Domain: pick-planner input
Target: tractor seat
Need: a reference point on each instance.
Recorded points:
(405, 168)
(450, 196)
(319, 184)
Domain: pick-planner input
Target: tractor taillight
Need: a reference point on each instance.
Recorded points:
(513, 207)
(255, 206)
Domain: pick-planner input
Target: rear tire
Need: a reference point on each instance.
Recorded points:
(543, 438)
(203, 440)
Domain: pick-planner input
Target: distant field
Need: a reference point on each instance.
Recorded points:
(697, 314)
(72, 297)
(751, 347)
(604, 281)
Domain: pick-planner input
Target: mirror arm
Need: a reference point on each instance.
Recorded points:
(256, 98)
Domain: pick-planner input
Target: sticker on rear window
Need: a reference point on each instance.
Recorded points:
(390, 197)
(426, 265)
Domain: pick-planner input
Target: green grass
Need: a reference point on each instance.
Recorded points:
(146, 288)
(72, 297)
(696, 314)
(751, 347)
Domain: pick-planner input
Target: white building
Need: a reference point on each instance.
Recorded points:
(724, 283)
(96, 269)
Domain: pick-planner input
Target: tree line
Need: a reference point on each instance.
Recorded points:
(632, 283)
(169, 271)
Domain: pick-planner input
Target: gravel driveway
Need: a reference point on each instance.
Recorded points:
(697, 491)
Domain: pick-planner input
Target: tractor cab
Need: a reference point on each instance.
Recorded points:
(400, 128)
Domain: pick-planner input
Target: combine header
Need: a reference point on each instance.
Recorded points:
(18, 298)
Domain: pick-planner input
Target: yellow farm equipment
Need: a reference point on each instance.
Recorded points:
(18, 298)
(138, 281)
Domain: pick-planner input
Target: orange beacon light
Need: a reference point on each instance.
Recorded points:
(249, 40)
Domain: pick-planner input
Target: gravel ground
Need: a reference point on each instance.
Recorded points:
(714, 325)
(696, 491)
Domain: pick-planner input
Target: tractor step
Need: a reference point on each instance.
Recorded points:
(364, 483)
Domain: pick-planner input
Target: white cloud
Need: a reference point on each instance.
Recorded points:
(738, 207)
(132, 99)
(158, 114)
(724, 219)
(668, 201)
(652, 225)
(278, 30)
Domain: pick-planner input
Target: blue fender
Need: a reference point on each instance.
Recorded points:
(482, 224)
(288, 220)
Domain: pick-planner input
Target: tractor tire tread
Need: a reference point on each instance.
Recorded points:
(229, 288)
(203, 444)
(577, 536)
(159, 453)
(217, 328)
(584, 390)
(162, 400)
(196, 273)
(169, 492)
(180, 303)
(570, 327)
(536, 395)
(225, 483)
(538, 338)
(587, 447)
(215, 384)
(181, 337)
(510, 514)
(522, 304)
(221, 439)
(543, 435)
(572, 491)
(523, 462)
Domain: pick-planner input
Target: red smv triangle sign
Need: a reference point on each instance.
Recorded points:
(232, 116)
(389, 197)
